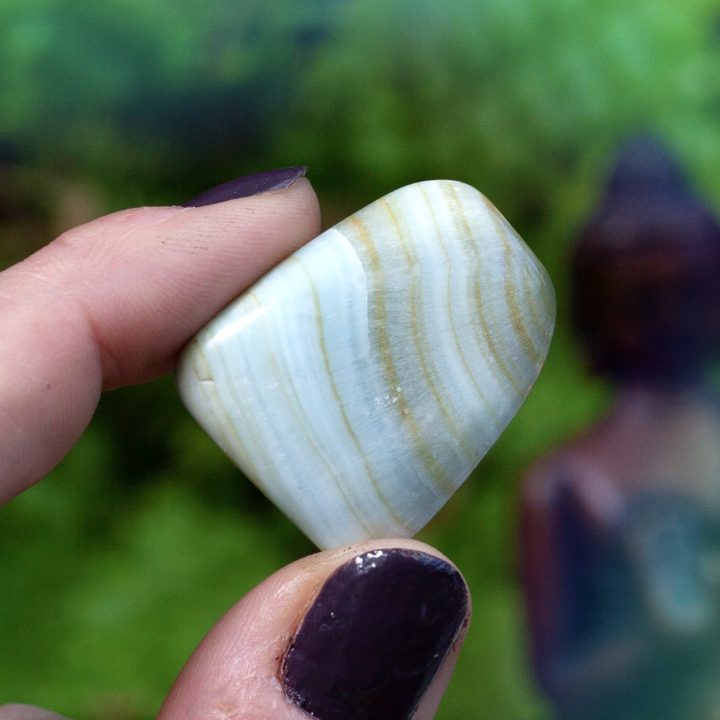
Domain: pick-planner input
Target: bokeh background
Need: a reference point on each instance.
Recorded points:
(113, 569)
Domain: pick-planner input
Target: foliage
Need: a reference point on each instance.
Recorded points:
(150, 93)
(116, 565)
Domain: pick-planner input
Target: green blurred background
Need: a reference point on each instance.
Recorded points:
(113, 569)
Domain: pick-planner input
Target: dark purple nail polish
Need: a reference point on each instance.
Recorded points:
(375, 636)
(249, 185)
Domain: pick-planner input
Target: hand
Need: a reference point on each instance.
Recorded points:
(369, 631)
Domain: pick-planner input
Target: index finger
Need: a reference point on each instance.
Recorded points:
(112, 302)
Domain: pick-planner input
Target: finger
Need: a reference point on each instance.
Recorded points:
(112, 302)
(360, 633)
(27, 712)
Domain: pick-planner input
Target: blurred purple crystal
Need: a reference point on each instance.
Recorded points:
(621, 526)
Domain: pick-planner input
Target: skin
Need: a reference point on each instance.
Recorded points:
(111, 303)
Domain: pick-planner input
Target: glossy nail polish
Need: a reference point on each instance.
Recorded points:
(248, 185)
(375, 636)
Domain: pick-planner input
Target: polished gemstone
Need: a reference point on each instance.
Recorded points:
(361, 380)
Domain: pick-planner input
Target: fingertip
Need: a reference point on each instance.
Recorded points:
(324, 634)
(113, 302)
(307, 199)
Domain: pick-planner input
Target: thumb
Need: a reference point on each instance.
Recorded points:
(366, 632)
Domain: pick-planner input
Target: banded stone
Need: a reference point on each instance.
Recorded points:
(361, 380)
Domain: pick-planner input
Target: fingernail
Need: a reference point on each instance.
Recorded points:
(249, 185)
(375, 636)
